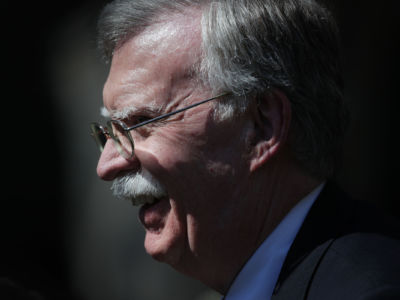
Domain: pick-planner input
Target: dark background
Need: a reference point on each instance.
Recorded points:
(33, 246)
(35, 181)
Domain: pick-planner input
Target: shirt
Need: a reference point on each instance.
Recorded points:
(258, 277)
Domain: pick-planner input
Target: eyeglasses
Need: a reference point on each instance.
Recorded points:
(119, 132)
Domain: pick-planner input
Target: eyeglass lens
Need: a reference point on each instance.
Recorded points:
(120, 137)
(98, 135)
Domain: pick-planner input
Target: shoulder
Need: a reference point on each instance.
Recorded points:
(345, 249)
(359, 266)
(360, 247)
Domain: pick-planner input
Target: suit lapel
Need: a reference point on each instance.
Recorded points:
(296, 285)
(328, 218)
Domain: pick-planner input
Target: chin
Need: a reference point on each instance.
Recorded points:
(165, 234)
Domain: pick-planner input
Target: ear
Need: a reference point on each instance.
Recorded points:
(271, 117)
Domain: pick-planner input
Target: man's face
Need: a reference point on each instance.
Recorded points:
(201, 163)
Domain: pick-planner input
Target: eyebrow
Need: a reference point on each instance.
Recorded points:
(126, 112)
(104, 112)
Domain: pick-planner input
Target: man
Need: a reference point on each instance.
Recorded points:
(226, 121)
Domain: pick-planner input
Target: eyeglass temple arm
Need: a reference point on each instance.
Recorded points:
(174, 112)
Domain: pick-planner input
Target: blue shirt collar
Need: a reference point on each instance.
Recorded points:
(258, 277)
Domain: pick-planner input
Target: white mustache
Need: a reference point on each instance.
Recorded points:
(139, 187)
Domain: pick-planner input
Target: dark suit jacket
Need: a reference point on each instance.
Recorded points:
(344, 250)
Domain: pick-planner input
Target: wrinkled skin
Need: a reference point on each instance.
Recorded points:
(216, 212)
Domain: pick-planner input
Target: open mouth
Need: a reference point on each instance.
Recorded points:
(152, 214)
(145, 200)
(150, 202)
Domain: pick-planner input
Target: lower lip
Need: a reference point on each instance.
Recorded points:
(152, 216)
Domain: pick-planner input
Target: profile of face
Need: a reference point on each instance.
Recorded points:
(189, 169)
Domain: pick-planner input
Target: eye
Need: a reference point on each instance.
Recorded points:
(135, 120)
(141, 119)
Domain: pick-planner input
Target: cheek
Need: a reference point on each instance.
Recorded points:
(172, 147)
(174, 161)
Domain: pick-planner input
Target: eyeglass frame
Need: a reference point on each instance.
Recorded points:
(106, 131)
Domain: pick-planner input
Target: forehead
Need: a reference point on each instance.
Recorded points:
(150, 67)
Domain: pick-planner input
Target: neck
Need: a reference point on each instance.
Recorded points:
(275, 192)
(287, 185)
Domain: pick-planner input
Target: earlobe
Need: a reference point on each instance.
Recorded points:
(271, 116)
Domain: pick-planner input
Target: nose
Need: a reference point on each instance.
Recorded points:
(112, 165)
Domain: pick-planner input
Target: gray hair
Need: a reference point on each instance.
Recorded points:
(250, 46)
